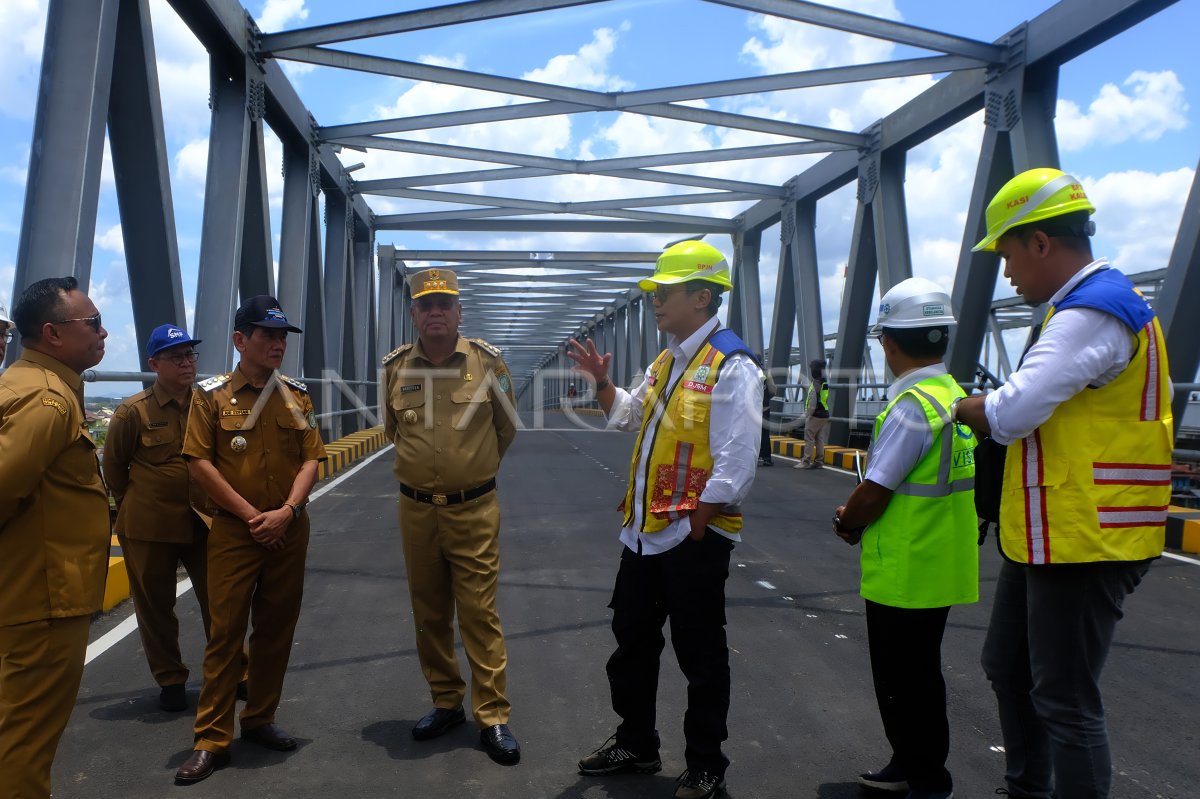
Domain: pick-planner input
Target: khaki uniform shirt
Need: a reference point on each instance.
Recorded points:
(54, 533)
(146, 472)
(261, 458)
(451, 424)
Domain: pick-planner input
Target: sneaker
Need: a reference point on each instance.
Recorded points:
(888, 778)
(698, 785)
(801, 465)
(612, 758)
(765, 462)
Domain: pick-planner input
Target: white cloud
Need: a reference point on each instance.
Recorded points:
(191, 166)
(278, 14)
(1137, 215)
(24, 26)
(586, 68)
(111, 240)
(183, 74)
(1153, 106)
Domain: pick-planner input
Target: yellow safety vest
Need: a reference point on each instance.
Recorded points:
(1094, 481)
(680, 460)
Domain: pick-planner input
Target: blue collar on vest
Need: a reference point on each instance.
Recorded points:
(728, 343)
(1108, 290)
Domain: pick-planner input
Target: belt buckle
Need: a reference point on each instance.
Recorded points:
(438, 499)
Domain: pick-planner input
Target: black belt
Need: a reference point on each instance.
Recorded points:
(452, 498)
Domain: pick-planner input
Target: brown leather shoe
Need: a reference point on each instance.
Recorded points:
(200, 766)
(271, 736)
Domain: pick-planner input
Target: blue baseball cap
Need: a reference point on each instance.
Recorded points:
(166, 336)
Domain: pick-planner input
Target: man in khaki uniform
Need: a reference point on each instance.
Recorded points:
(252, 444)
(54, 532)
(159, 521)
(450, 414)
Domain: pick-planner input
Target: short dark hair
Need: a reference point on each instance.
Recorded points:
(920, 342)
(696, 286)
(1072, 229)
(40, 303)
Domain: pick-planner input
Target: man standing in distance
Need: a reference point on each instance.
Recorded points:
(253, 446)
(6, 333)
(159, 506)
(1086, 418)
(698, 415)
(54, 531)
(450, 414)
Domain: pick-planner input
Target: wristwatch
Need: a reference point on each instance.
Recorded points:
(603, 383)
(954, 409)
(296, 509)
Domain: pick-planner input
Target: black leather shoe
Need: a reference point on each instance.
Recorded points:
(200, 766)
(242, 692)
(271, 736)
(437, 722)
(173, 698)
(500, 744)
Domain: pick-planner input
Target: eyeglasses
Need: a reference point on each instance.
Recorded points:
(661, 293)
(91, 321)
(7, 335)
(427, 304)
(180, 359)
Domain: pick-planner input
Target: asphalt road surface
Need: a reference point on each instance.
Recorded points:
(803, 720)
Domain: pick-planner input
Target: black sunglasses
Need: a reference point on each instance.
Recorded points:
(91, 321)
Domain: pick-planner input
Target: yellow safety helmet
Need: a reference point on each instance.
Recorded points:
(688, 260)
(1032, 196)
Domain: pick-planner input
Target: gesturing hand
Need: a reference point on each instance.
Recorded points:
(589, 360)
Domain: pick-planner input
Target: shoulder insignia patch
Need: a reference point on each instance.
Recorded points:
(394, 354)
(294, 383)
(49, 402)
(488, 348)
(214, 382)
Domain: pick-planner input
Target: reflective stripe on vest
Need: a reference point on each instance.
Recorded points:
(680, 461)
(1093, 482)
(923, 552)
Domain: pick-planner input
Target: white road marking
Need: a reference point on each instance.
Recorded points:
(129, 623)
(765, 585)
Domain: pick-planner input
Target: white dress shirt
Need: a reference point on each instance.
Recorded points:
(905, 437)
(734, 429)
(1079, 347)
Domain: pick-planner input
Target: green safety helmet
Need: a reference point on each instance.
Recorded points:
(1032, 196)
(688, 260)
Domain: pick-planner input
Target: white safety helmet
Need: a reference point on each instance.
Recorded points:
(911, 303)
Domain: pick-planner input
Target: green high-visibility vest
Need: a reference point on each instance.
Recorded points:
(808, 398)
(923, 551)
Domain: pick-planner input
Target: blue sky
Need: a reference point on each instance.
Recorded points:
(1126, 123)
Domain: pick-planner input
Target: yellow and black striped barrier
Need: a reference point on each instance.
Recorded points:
(342, 454)
(1183, 529)
(841, 457)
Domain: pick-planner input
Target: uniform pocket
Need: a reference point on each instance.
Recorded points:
(291, 433)
(160, 445)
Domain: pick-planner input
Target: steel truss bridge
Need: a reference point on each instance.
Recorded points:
(99, 77)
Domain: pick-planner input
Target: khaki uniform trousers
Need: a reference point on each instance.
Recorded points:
(452, 555)
(41, 665)
(816, 435)
(248, 585)
(152, 567)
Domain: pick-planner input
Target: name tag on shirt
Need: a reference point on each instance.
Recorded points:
(235, 412)
(410, 389)
(692, 385)
(155, 425)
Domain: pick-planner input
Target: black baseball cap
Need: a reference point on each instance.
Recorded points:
(262, 310)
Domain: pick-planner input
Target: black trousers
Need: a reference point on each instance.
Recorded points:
(906, 664)
(687, 585)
